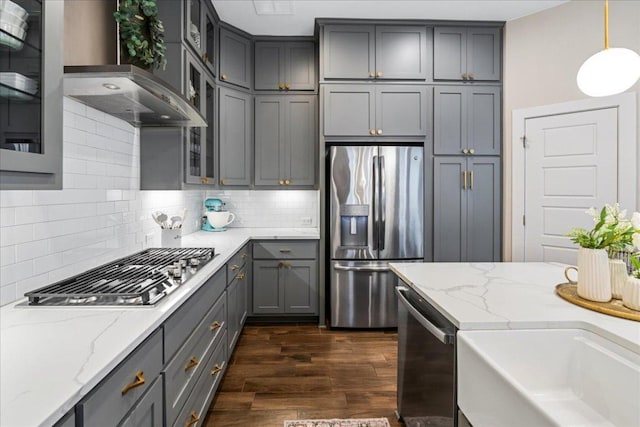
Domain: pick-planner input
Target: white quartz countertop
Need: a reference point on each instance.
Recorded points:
(509, 296)
(51, 357)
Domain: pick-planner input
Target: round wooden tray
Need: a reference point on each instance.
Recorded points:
(614, 307)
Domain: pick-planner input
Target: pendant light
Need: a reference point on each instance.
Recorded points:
(610, 71)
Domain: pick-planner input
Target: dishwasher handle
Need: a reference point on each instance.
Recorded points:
(442, 336)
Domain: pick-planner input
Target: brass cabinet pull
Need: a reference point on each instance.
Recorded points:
(379, 74)
(281, 182)
(287, 182)
(372, 131)
(464, 76)
(372, 74)
(464, 180)
(235, 267)
(223, 181)
(280, 86)
(215, 325)
(284, 264)
(136, 383)
(280, 264)
(471, 77)
(205, 57)
(223, 77)
(193, 362)
(217, 368)
(379, 132)
(285, 251)
(471, 179)
(240, 276)
(204, 180)
(244, 256)
(471, 151)
(287, 86)
(465, 151)
(192, 420)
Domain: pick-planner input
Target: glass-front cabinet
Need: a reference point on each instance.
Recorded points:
(200, 31)
(31, 94)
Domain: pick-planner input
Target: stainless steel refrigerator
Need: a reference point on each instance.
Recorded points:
(376, 203)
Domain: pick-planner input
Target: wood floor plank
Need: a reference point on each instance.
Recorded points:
(275, 385)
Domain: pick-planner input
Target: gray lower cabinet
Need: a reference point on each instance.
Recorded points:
(69, 420)
(283, 281)
(149, 410)
(466, 120)
(235, 137)
(381, 110)
(466, 53)
(285, 140)
(374, 52)
(235, 59)
(467, 209)
(237, 303)
(285, 66)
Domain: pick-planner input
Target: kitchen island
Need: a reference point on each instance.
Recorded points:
(51, 357)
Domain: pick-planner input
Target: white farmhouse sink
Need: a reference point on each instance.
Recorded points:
(550, 377)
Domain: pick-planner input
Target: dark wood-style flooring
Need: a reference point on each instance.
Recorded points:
(282, 373)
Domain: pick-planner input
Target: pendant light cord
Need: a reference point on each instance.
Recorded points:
(606, 24)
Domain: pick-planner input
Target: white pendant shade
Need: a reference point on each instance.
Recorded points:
(609, 72)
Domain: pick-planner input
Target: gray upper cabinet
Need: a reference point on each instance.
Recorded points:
(235, 59)
(466, 209)
(375, 52)
(381, 110)
(285, 141)
(235, 139)
(31, 118)
(467, 120)
(285, 66)
(199, 31)
(466, 53)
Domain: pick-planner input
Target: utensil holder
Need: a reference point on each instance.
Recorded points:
(171, 238)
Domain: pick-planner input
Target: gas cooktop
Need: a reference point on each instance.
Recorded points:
(141, 279)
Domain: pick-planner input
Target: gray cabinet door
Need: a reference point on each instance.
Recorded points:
(483, 53)
(466, 120)
(483, 210)
(401, 52)
(235, 59)
(267, 292)
(301, 135)
(148, 412)
(300, 283)
(449, 209)
(449, 53)
(299, 66)
(483, 119)
(269, 64)
(348, 51)
(401, 110)
(349, 110)
(233, 315)
(235, 138)
(269, 139)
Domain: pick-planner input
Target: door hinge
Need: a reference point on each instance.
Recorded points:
(523, 138)
(524, 222)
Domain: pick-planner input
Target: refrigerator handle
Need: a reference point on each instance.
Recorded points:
(382, 203)
(375, 202)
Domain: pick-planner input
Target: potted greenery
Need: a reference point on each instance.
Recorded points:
(141, 34)
(611, 232)
(631, 292)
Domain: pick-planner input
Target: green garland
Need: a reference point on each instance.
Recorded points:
(141, 33)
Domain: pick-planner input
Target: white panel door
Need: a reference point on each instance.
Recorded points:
(571, 164)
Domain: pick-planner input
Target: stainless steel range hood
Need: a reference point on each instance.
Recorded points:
(131, 94)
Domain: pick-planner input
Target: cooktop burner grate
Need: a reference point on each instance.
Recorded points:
(139, 279)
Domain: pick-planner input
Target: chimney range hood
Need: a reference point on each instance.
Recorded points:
(131, 94)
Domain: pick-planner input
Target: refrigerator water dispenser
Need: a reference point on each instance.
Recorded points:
(354, 224)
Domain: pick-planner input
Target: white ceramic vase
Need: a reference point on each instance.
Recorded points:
(594, 280)
(618, 277)
(631, 294)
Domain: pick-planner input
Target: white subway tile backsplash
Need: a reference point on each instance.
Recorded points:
(46, 263)
(7, 217)
(32, 250)
(7, 293)
(10, 199)
(16, 234)
(7, 255)
(74, 107)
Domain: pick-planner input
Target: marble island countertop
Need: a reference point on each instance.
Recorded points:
(51, 357)
(509, 296)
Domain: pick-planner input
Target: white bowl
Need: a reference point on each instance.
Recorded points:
(13, 30)
(9, 7)
(10, 18)
(13, 43)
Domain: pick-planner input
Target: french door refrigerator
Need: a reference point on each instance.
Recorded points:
(376, 217)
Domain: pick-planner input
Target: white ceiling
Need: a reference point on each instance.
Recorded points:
(242, 13)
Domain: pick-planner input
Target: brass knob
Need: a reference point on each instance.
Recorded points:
(379, 132)
(193, 362)
(471, 76)
(287, 86)
(372, 74)
(287, 182)
(280, 86)
(471, 151)
(215, 325)
(223, 181)
(223, 77)
(372, 131)
(379, 74)
(281, 182)
(464, 76)
(465, 151)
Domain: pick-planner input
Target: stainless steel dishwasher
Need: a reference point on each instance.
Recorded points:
(426, 363)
